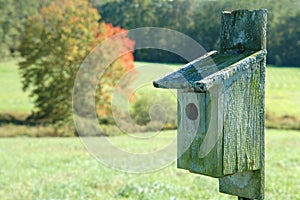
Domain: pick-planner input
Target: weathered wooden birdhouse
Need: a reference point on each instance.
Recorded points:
(221, 107)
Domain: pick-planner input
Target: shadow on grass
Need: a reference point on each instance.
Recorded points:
(282, 122)
(14, 125)
(20, 119)
(21, 124)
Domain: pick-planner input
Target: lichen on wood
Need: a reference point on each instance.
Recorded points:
(201, 74)
(226, 137)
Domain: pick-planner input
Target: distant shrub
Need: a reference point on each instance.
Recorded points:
(157, 102)
(282, 122)
(12, 130)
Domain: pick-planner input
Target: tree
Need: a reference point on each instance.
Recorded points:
(201, 21)
(13, 15)
(131, 14)
(286, 42)
(54, 44)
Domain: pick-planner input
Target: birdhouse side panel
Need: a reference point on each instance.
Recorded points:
(189, 115)
(207, 147)
(241, 132)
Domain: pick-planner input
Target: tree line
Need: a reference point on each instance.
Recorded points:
(198, 19)
(201, 21)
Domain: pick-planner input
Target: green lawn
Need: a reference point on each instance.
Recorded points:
(61, 168)
(282, 89)
(12, 98)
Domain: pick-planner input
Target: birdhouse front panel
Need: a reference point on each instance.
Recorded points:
(199, 140)
(242, 121)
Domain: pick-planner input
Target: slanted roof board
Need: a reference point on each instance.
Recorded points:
(195, 72)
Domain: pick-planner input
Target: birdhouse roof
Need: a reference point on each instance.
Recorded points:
(200, 74)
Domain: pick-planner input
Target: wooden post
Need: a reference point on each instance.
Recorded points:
(221, 107)
(243, 30)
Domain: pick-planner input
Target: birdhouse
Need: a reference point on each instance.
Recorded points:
(218, 112)
(221, 106)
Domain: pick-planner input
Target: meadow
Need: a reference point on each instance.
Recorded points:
(61, 168)
(12, 98)
(282, 89)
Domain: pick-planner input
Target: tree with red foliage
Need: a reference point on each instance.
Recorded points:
(54, 45)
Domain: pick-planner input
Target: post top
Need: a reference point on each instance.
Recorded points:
(243, 29)
(245, 10)
(200, 74)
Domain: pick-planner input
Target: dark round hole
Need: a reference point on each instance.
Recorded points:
(191, 111)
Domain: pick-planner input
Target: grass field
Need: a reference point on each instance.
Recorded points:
(61, 168)
(282, 90)
(12, 98)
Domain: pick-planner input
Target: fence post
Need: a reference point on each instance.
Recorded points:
(244, 30)
(221, 108)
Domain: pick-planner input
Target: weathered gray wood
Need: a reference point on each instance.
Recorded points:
(206, 150)
(243, 29)
(250, 143)
(262, 127)
(241, 182)
(241, 135)
(221, 107)
(201, 75)
(232, 71)
(239, 125)
(200, 146)
(187, 129)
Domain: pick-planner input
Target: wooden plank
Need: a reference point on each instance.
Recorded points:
(248, 121)
(229, 135)
(225, 138)
(243, 29)
(243, 184)
(187, 128)
(262, 65)
(241, 127)
(207, 152)
(202, 74)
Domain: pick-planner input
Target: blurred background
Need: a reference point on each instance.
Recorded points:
(42, 45)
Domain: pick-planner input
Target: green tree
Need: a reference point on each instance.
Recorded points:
(201, 21)
(13, 14)
(286, 42)
(130, 14)
(54, 44)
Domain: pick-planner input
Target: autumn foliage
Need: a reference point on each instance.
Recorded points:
(118, 69)
(54, 45)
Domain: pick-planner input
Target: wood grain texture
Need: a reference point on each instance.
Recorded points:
(243, 29)
(241, 133)
(228, 127)
(244, 184)
(201, 74)
(188, 130)
(226, 139)
(247, 184)
(194, 135)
